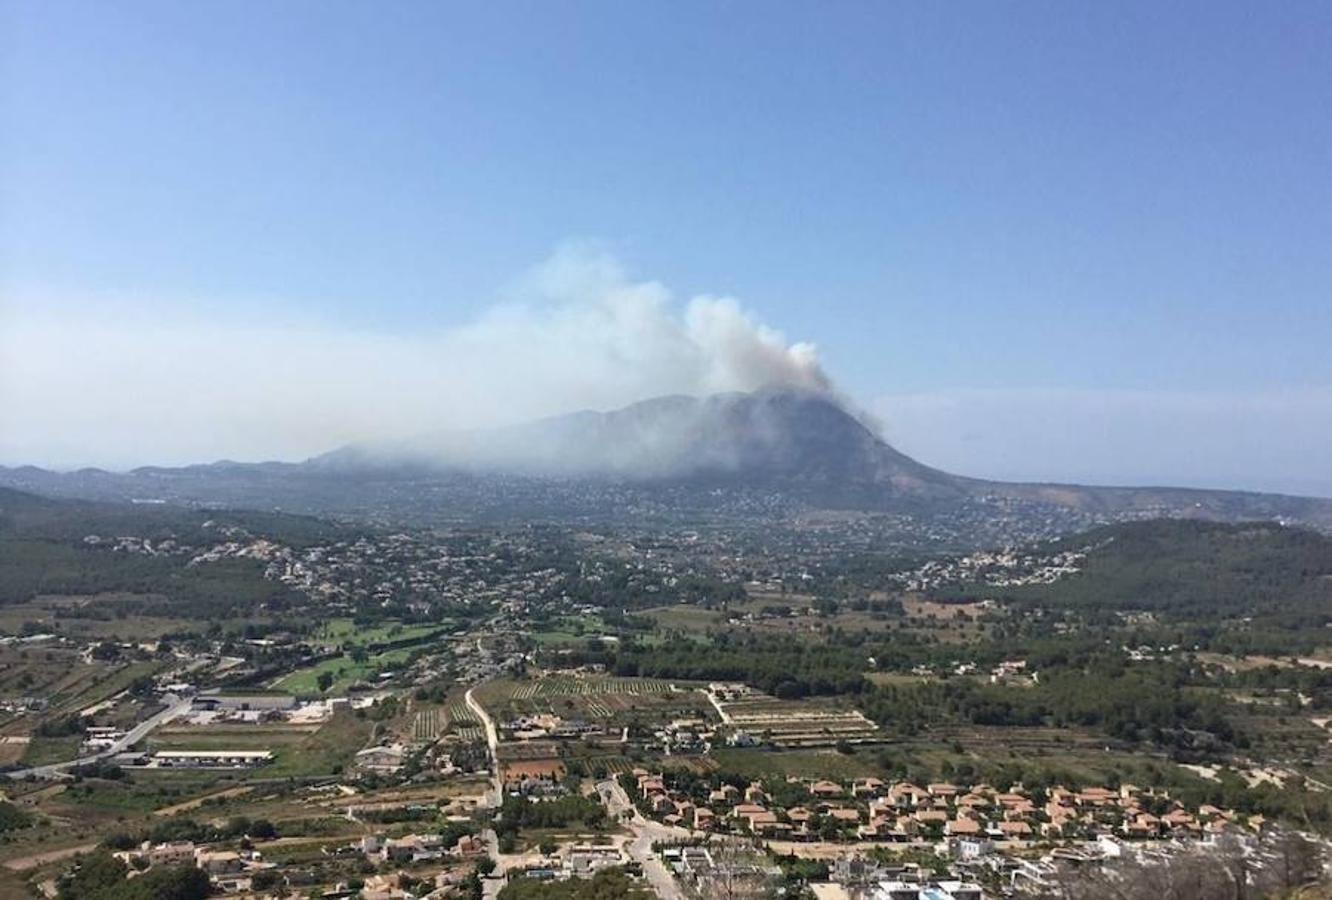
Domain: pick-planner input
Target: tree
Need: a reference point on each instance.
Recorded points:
(265, 879)
(325, 681)
(11, 817)
(183, 882)
(92, 876)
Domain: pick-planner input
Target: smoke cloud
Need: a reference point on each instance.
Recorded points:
(120, 383)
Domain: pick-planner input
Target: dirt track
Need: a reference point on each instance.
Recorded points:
(23, 863)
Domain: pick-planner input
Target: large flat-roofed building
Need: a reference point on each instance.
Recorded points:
(934, 890)
(211, 759)
(244, 701)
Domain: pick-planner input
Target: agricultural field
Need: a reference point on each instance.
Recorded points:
(796, 723)
(569, 629)
(613, 701)
(463, 722)
(101, 616)
(40, 751)
(777, 765)
(64, 678)
(690, 620)
(12, 748)
(569, 685)
(297, 749)
(800, 615)
(1033, 755)
(430, 722)
(787, 615)
(882, 679)
(228, 737)
(610, 765)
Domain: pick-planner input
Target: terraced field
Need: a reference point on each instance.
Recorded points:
(610, 702)
(463, 722)
(803, 723)
(567, 685)
(612, 765)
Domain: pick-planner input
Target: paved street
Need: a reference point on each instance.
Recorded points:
(176, 706)
(645, 833)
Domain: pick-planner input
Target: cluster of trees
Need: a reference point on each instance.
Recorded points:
(12, 818)
(608, 884)
(785, 667)
(1146, 703)
(517, 813)
(100, 876)
(165, 584)
(42, 552)
(186, 829)
(62, 726)
(797, 871)
(1197, 571)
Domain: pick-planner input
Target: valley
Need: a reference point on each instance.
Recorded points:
(314, 705)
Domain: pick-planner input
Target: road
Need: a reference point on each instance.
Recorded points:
(646, 832)
(492, 740)
(176, 706)
(491, 886)
(721, 713)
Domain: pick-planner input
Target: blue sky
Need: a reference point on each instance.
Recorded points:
(1124, 205)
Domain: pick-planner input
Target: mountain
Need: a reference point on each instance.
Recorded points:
(782, 437)
(802, 448)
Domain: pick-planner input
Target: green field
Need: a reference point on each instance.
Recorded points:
(345, 671)
(44, 750)
(326, 752)
(684, 618)
(296, 752)
(570, 630)
(346, 632)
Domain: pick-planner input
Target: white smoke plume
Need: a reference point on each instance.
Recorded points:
(120, 383)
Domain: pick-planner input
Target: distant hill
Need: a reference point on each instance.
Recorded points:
(44, 550)
(690, 454)
(1195, 571)
(27, 516)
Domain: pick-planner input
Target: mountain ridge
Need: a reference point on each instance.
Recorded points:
(804, 445)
